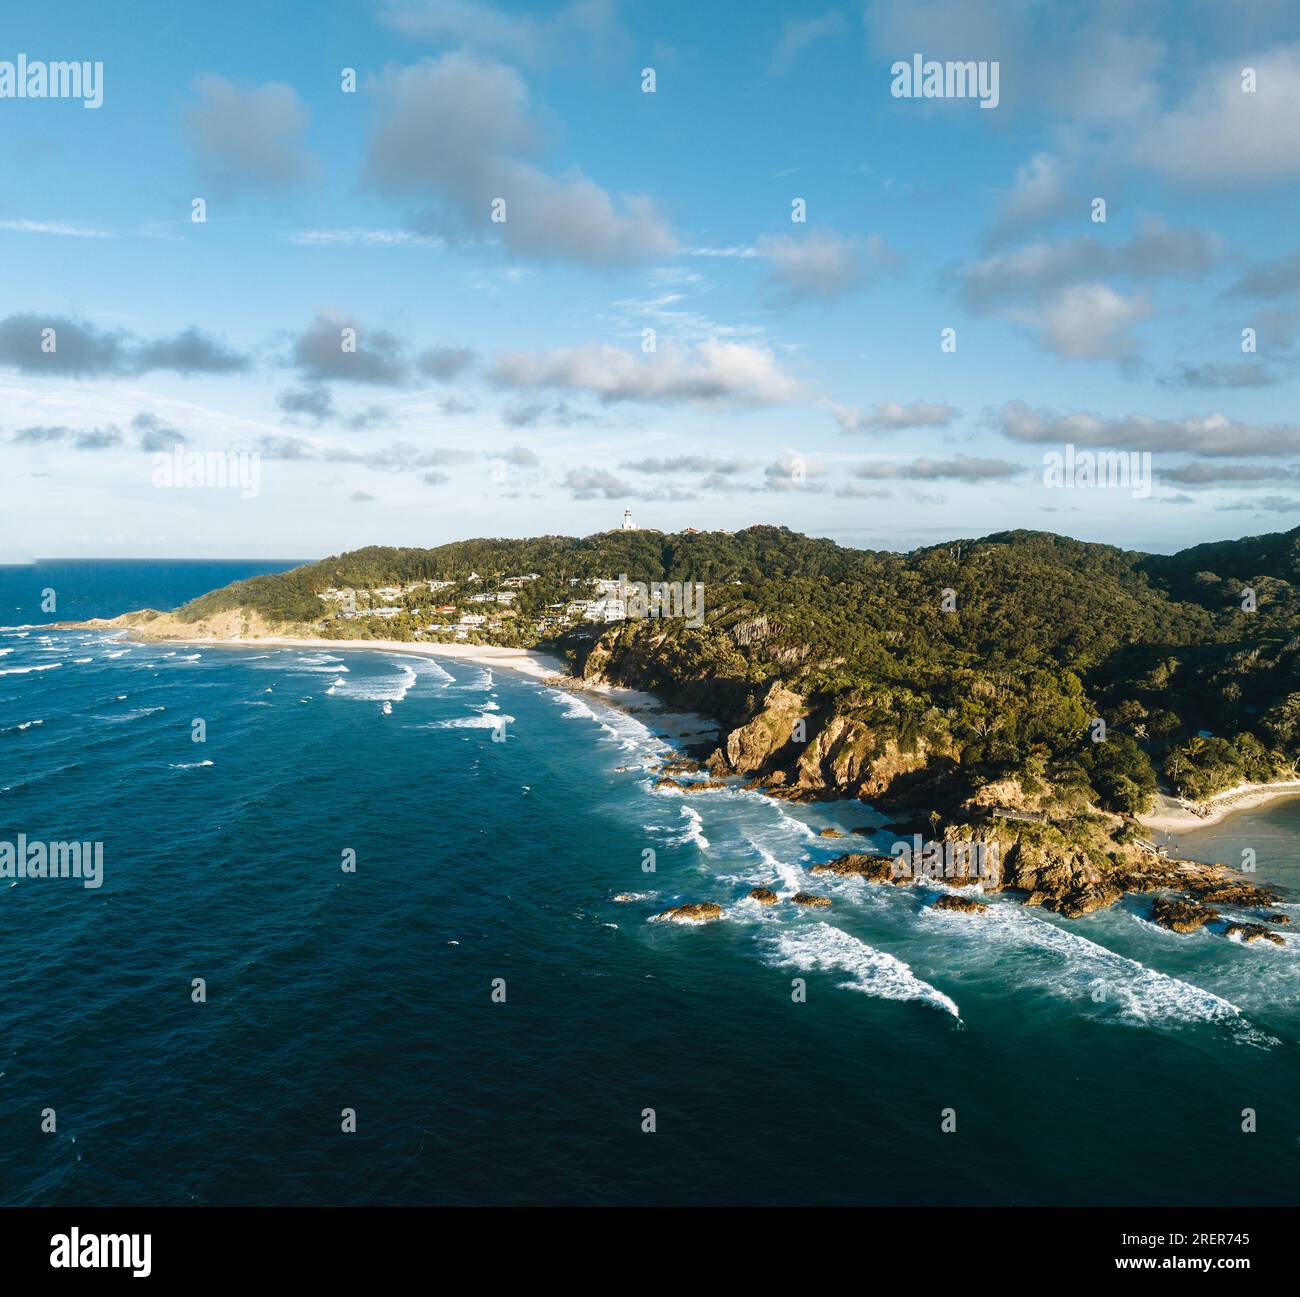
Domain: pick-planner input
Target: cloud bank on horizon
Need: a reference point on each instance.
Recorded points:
(459, 267)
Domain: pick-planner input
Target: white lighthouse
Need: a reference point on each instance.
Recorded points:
(628, 524)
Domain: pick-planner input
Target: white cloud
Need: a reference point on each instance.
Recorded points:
(893, 416)
(712, 371)
(459, 130)
(1220, 135)
(249, 137)
(1211, 434)
(822, 263)
(1090, 322)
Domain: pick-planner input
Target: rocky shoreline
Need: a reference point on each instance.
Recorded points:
(1072, 860)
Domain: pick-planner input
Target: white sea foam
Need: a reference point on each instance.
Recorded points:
(191, 765)
(626, 730)
(130, 716)
(427, 667)
(375, 689)
(479, 721)
(693, 831)
(81, 661)
(823, 948)
(1105, 983)
(22, 671)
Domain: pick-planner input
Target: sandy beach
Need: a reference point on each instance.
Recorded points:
(1176, 815)
(676, 727)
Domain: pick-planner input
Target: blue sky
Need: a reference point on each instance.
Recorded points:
(501, 383)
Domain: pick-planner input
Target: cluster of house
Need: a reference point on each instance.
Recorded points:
(598, 601)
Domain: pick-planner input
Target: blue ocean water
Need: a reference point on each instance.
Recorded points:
(1099, 1061)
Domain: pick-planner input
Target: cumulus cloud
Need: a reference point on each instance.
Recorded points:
(399, 457)
(1277, 277)
(710, 372)
(1220, 135)
(595, 483)
(379, 356)
(518, 456)
(77, 439)
(1246, 373)
(155, 434)
(1090, 322)
(687, 464)
(190, 352)
(458, 130)
(893, 416)
(1037, 270)
(963, 468)
(822, 263)
(314, 403)
(1039, 194)
(249, 137)
(83, 350)
(1057, 288)
(444, 363)
(1204, 474)
(1263, 504)
(1210, 435)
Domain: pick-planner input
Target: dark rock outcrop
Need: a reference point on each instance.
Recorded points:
(1180, 916)
(809, 898)
(1254, 932)
(763, 895)
(963, 904)
(876, 869)
(691, 912)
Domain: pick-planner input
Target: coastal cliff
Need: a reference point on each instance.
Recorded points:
(1025, 691)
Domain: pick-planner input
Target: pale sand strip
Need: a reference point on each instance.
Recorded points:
(1175, 814)
(539, 665)
(676, 726)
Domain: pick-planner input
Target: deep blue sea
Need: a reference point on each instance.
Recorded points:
(1097, 1061)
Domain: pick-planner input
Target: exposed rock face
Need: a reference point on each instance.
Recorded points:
(877, 869)
(964, 904)
(1180, 916)
(1231, 891)
(681, 766)
(234, 623)
(695, 786)
(1254, 932)
(753, 746)
(691, 912)
(809, 898)
(1278, 918)
(763, 895)
(830, 833)
(1003, 793)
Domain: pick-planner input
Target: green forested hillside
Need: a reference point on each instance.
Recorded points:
(1000, 652)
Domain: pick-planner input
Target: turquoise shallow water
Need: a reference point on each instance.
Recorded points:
(1090, 1062)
